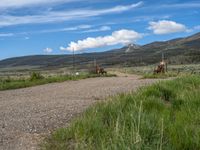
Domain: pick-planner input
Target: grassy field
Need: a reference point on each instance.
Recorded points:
(176, 69)
(173, 70)
(7, 83)
(163, 116)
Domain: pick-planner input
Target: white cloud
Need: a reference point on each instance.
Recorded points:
(197, 27)
(118, 8)
(75, 28)
(48, 50)
(166, 27)
(180, 5)
(4, 4)
(173, 6)
(118, 37)
(6, 34)
(63, 48)
(52, 16)
(149, 18)
(103, 28)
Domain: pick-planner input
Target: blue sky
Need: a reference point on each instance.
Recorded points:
(30, 27)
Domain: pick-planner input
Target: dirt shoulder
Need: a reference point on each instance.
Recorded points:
(26, 115)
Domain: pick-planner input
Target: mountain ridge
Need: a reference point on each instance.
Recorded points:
(179, 50)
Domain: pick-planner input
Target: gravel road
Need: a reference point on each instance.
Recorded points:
(27, 115)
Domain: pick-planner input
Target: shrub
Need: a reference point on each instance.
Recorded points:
(36, 76)
(5, 80)
(8, 79)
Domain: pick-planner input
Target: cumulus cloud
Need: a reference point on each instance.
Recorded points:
(117, 37)
(166, 27)
(63, 48)
(48, 50)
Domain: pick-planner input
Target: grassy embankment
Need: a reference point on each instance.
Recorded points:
(37, 79)
(162, 116)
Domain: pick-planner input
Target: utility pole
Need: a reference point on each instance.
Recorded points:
(163, 57)
(73, 62)
(95, 63)
(165, 62)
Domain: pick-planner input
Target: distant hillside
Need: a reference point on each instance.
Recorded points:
(177, 51)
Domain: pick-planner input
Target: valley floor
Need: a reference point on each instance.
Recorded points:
(28, 115)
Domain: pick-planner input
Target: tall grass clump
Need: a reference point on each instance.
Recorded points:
(36, 76)
(164, 116)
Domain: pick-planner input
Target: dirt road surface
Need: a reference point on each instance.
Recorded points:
(27, 115)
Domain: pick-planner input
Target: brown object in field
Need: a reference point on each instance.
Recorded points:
(160, 68)
(100, 70)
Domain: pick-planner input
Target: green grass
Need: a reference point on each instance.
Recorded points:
(162, 116)
(172, 69)
(160, 75)
(36, 79)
